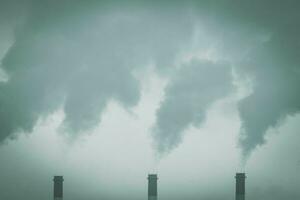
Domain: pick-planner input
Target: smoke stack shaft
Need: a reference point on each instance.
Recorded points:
(152, 187)
(240, 186)
(58, 188)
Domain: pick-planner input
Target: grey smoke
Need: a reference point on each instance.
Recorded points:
(191, 91)
(274, 65)
(80, 57)
(261, 39)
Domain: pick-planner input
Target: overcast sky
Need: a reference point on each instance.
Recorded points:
(105, 92)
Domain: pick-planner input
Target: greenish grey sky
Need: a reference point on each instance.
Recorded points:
(192, 90)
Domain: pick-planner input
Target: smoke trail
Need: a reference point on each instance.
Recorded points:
(187, 97)
(274, 64)
(81, 55)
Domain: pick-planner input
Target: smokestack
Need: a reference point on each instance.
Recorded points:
(58, 187)
(152, 187)
(240, 186)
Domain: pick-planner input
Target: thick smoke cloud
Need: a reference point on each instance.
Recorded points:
(261, 40)
(275, 93)
(274, 66)
(193, 89)
(80, 55)
(67, 54)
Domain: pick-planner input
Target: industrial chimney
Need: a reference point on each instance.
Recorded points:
(152, 187)
(240, 186)
(58, 187)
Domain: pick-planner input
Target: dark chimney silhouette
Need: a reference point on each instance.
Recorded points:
(152, 187)
(240, 186)
(58, 187)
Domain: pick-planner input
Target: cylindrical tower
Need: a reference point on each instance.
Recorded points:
(58, 187)
(240, 186)
(152, 187)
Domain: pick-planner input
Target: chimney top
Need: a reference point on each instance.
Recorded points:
(240, 175)
(58, 178)
(152, 176)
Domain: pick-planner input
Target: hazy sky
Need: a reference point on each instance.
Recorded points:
(105, 92)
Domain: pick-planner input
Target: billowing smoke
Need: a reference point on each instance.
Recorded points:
(261, 39)
(276, 91)
(274, 65)
(80, 55)
(191, 91)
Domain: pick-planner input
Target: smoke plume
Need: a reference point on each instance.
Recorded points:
(80, 55)
(193, 89)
